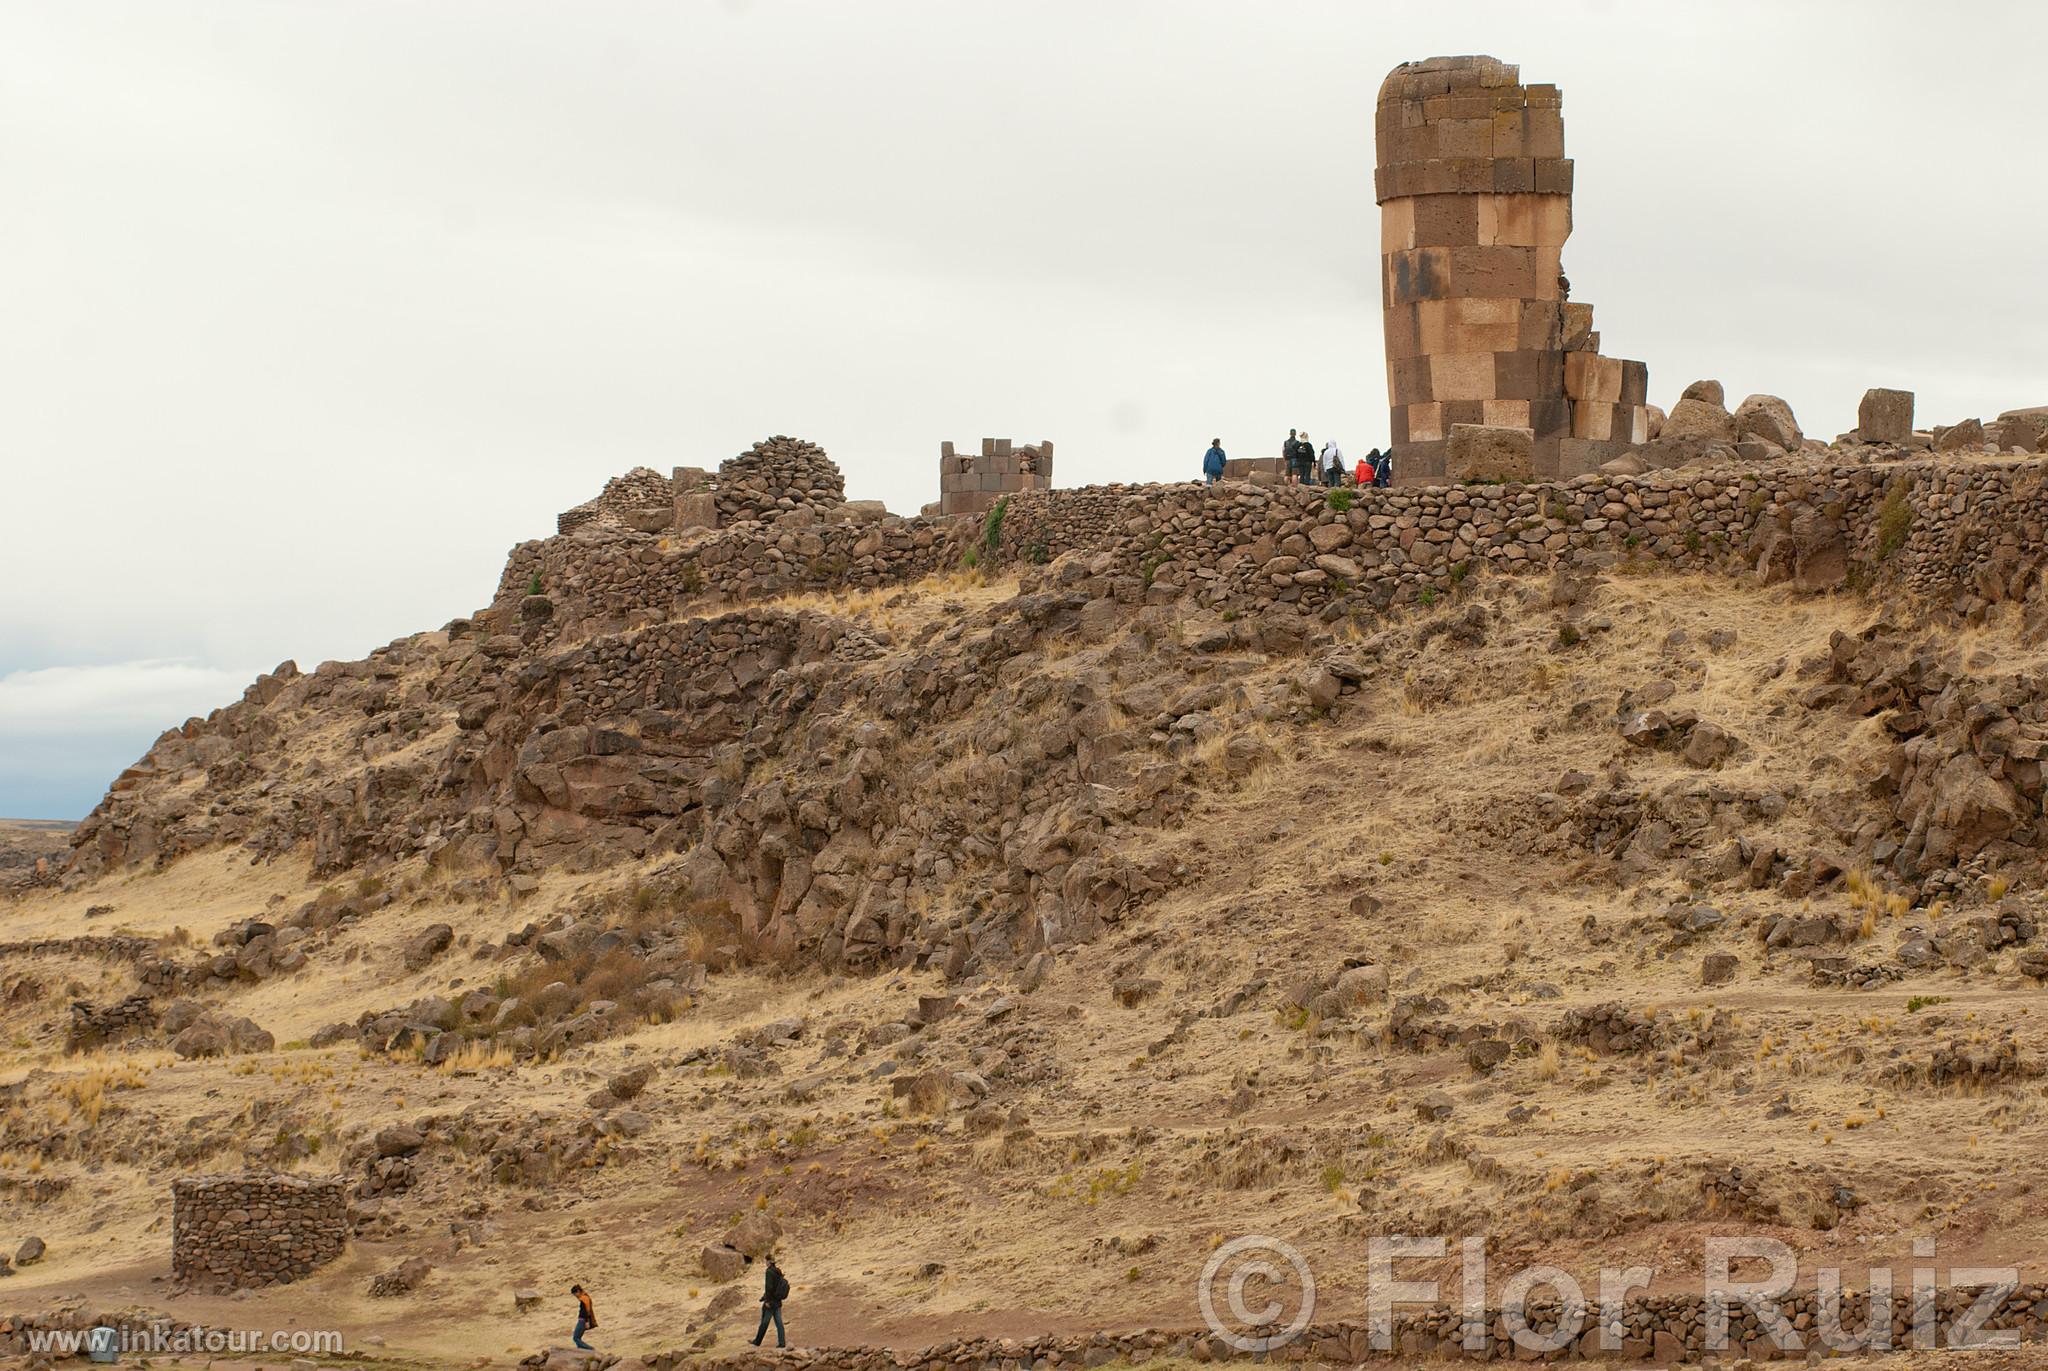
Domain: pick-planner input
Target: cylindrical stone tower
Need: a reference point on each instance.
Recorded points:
(1475, 197)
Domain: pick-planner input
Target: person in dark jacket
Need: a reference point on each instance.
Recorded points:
(1212, 462)
(1383, 470)
(586, 1317)
(774, 1290)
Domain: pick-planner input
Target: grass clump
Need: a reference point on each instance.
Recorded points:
(1894, 521)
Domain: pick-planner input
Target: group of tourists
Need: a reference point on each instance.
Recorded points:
(1302, 463)
(774, 1290)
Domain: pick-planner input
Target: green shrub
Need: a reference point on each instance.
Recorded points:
(1338, 500)
(1894, 521)
(992, 525)
(1427, 597)
(533, 586)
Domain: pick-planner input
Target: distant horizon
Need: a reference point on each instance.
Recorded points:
(313, 312)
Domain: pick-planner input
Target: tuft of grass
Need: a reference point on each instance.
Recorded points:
(1920, 1002)
(1338, 500)
(1894, 521)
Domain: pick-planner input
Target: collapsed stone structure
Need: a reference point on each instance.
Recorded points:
(1475, 197)
(776, 478)
(239, 1232)
(972, 485)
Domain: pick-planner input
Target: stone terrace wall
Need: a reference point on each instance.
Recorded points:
(616, 579)
(1970, 526)
(237, 1232)
(1956, 527)
(1662, 1328)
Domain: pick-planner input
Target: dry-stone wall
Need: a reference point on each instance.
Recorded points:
(614, 579)
(1662, 1328)
(93, 1024)
(1938, 526)
(776, 477)
(236, 1232)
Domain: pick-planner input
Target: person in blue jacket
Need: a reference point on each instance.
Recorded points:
(1212, 461)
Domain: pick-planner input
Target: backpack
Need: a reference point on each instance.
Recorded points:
(778, 1285)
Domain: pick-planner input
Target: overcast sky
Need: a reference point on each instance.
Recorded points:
(310, 311)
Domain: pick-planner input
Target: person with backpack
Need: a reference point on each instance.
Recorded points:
(586, 1317)
(1383, 473)
(1289, 450)
(1212, 462)
(1333, 464)
(774, 1290)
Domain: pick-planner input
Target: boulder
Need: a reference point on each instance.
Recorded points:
(756, 1234)
(2025, 429)
(1885, 416)
(30, 1252)
(1490, 453)
(722, 1262)
(1697, 418)
(628, 1084)
(1708, 391)
(1966, 436)
(1718, 968)
(1769, 418)
(428, 944)
(399, 1140)
(402, 1279)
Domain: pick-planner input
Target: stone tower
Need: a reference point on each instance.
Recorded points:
(1475, 197)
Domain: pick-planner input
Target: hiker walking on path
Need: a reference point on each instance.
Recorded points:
(1212, 462)
(586, 1317)
(775, 1287)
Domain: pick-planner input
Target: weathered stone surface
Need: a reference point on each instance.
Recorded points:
(1885, 416)
(1769, 418)
(1491, 453)
(235, 1232)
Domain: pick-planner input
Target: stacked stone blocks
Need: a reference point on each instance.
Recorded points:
(1475, 207)
(972, 484)
(239, 1232)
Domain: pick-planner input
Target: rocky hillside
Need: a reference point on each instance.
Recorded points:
(995, 929)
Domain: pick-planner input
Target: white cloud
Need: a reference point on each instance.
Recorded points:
(115, 696)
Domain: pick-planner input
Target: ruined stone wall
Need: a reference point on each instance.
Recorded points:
(238, 1232)
(1661, 1328)
(1956, 527)
(972, 485)
(1959, 526)
(776, 477)
(1475, 197)
(615, 579)
(92, 1025)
